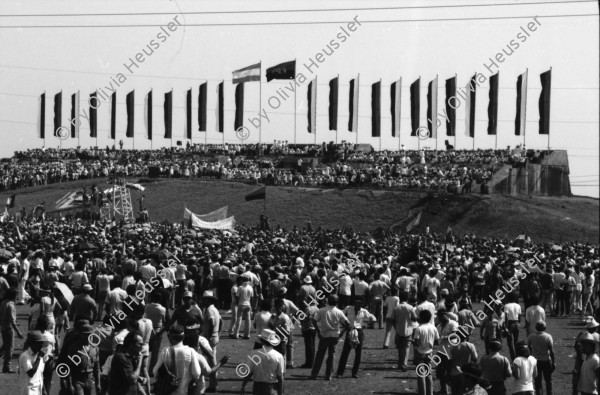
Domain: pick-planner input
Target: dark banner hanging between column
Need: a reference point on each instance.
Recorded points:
(493, 105)
(395, 106)
(220, 111)
(94, 104)
(57, 112)
(148, 115)
(168, 111)
(74, 115)
(521, 104)
(333, 103)
(130, 102)
(113, 116)
(202, 108)
(544, 102)
(376, 109)
(188, 114)
(471, 106)
(42, 116)
(415, 106)
(239, 106)
(451, 104)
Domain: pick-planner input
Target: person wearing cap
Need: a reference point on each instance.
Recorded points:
(459, 355)
(186, 311)
(496, 368)
(542, 349)
(186, 362)
(84, 305)
(211, 327)
(267, 368)
(244, 295)
(31, 365)
(329, 320)
(85, 375)
(590, 369)
(8, 327)
(591, 329)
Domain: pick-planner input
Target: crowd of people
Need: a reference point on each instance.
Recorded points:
(137, 284)
(339, 165)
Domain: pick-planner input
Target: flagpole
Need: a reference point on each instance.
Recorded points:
(472, 104)
(149, 122)
(260, 100)
(206, 131)
(43, 121)
(171, 117)
(295, 94)
(78, 123)
(399, 105)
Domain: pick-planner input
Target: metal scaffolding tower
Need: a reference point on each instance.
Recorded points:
(121, 203)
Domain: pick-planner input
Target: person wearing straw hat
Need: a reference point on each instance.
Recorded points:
(591, 329)
(307, 290)
(267, 367)
(590, 369)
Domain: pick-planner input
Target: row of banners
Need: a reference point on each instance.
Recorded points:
(287, 70)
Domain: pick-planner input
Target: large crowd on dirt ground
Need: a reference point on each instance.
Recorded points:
(126, 309)
(340, 165)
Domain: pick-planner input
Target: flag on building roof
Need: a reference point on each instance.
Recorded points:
(247, 74)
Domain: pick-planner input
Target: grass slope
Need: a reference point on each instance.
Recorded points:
(545, 218)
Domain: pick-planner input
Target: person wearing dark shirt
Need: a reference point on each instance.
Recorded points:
(185, 312)
(84, 306)
(124, 377)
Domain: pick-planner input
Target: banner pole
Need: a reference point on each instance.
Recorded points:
(454, 131)
(295, 94)
(357, 103)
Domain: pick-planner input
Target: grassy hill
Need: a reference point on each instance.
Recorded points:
(543, 218)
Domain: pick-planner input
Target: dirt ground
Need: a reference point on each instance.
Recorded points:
(378, 372)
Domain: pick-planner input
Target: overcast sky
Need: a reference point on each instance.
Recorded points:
(395, 39)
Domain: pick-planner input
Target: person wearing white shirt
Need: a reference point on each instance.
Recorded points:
(389, 305)
(357, 316)
(423, 304)
(424, 337)
(512, 311)
(404, 319)
(444, 329)
(524, 369)
(186, 361)
(31, 365)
